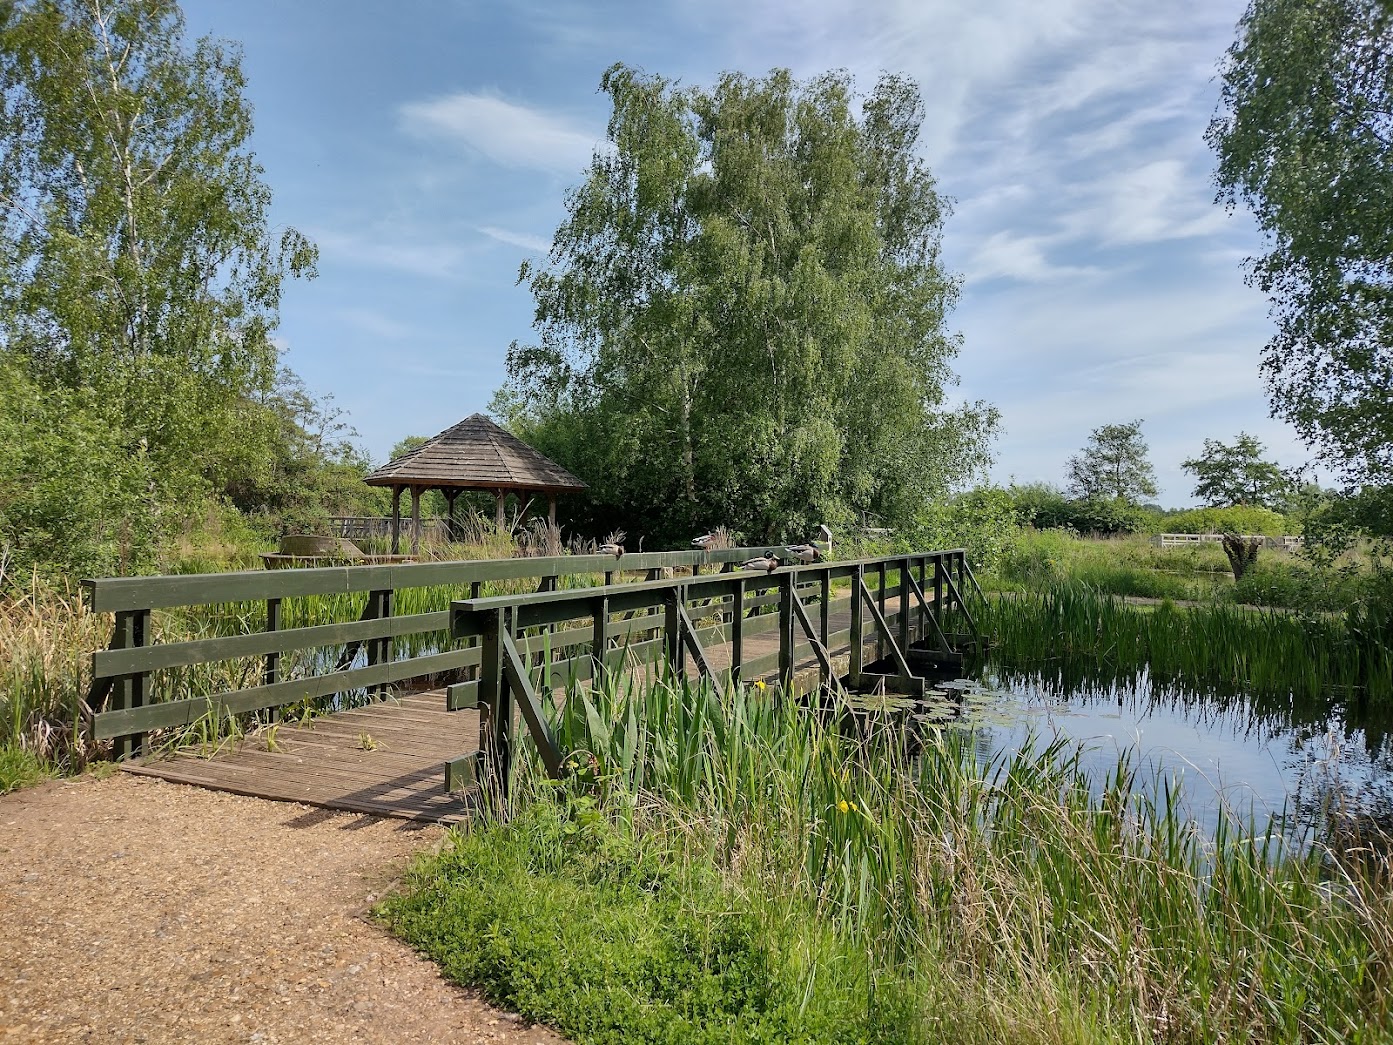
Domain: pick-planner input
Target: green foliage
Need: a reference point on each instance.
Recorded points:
(19, 767)
(1304, 140)
(1237, 519)
(139, 286)
(934, 898)
(985, 521)
(1237, 475)
(1113, 466)
(566, 915)
(1047, 507)
(1222, 647)
(742, 320)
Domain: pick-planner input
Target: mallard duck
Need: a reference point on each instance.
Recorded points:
(611, 548)
(804, 552)
(768, 563)
(703, 541)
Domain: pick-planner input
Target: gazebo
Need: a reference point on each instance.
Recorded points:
(473, 455)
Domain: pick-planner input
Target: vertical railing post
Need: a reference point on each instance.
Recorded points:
(880, 602)
(130, 691)
(824, 622)
(737, 629)
(599, 643)
(855, 664)
(495, 704)
(786, 658)
(921, 629)
(672, 631)
(939, 617)
(270, 672)
(380, 650)
(906, 602)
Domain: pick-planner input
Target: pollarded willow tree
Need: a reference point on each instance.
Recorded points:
(743, 316)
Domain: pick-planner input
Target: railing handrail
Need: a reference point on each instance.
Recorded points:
(117, 594)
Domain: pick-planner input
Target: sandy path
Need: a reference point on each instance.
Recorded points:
(132, 910)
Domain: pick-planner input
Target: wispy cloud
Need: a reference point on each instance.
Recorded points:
(505, 132)
(375, 324)
(1005, 255)
(516, 239)
(417, 257)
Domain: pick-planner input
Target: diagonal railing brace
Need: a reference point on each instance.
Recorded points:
(517, 678)
(880, 623)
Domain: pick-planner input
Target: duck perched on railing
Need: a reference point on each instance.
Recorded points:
(768, 563)
(813, 551)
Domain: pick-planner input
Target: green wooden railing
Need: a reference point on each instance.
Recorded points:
(928, 589)
(121, 704)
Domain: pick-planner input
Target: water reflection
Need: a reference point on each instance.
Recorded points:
(1316, 765)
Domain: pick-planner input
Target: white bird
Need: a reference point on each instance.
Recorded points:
(704, 540)
(611, 548)
(768, 563)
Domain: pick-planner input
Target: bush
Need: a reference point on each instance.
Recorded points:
(1238, 519)
(1046, 507)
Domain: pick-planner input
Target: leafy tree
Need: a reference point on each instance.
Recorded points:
(1236, 474)
(139, 278)
(742, 319)
(1113, 466)
(1304, 139)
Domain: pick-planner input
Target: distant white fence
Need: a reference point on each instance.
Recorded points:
(1177, 540)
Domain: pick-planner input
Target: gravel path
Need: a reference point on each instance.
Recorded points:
(133, 910)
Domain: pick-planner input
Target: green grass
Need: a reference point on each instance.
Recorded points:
(20, 767)
(721, 869)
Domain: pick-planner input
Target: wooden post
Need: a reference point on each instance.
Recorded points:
(415, 520)
(737, 629)
(270, 673)
(824, 623)
(599, 642)
(380, 650)
(672, 631)
(499, 497)
(396, 520)
(922, 622)
(938, 592)
(855, 664)
(880, 601)
(786, 658)
(905, 603)
(551, 509)
(130, 691)
(495, 705)
(450, 497)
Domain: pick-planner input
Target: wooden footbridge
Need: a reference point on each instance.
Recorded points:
(410, 714)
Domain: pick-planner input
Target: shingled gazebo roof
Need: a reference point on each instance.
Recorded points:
(475, 455)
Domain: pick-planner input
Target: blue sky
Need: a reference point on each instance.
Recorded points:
(427, 148)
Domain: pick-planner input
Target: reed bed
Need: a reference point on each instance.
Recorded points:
(1217, 647)
(719, 868)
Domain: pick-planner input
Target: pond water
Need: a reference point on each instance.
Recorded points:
(1296, 761)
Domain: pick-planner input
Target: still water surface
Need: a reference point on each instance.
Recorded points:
(1295, 760)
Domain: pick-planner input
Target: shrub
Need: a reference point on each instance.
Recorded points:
(1238, 519)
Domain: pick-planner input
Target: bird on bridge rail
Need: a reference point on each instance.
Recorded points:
(812, 551)
(704, 541)
(614, 545)
(768, 563)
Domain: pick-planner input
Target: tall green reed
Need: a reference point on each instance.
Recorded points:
(997, 883)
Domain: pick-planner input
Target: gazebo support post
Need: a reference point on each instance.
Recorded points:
(498, 508)
(415, 520)
(396, 520)
(551, 509)
(450, 498)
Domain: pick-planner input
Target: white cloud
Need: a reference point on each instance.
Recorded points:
(517, 239)
(1005, 255)
(509, 134)
(418, 257)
